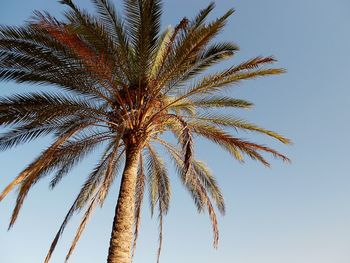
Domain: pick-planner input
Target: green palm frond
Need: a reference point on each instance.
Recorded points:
(22, 135)
(206, 58)
(186, 139)
(236, 123)
(209, 102)
(116, 29)
(202, 15)
(158, 180)
(160, 52)
(82, 226)
(216, 82)
(49, 108)
(198, 189)
(210, 184)
(63, 157)
(159, 187)
(107, 168)
(71, 153)
(212, 55)
(139, 195)
(99, 197)
(188, 47)
(45, 157)
(234, 145)
(176, 157)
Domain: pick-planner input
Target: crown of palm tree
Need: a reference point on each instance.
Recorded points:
(123, 84)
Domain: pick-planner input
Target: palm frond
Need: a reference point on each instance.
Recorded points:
(46, 106)
(68, 156)
(160, 237)
(202, 15)
(208, 57)
(176, 157)
(82, 226)
(22, 135)
(143, 21)
(219, 81)
(60, 231)
(189, 47)
(237, 123)
(197, 189)
(163, 45)
(186, 140)
(158, 180)
(116, 29)
(44, 157)
(88, 190)
(160, 192)
(210, 184)
(234, 145)
(108, 162)
(113, 163)
(214, 102)
(40, 58)
(72, 152)
(139, 194)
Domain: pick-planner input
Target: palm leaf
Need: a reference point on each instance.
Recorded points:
(234, 145)
(202, 15)
(158, 180)
(236, 123)
(197, 189)
(139, 194)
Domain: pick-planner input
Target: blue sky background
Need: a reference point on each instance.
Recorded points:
(289, 213)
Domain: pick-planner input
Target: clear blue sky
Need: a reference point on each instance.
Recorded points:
(289, 213)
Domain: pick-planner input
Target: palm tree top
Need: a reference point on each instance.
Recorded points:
(122, 84)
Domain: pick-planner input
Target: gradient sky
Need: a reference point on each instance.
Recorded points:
(286, 214)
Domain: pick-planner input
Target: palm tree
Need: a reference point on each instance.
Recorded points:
(123, 85)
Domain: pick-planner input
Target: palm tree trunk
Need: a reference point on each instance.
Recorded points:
(122, 231)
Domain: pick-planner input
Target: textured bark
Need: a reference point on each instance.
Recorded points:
(122, 231)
